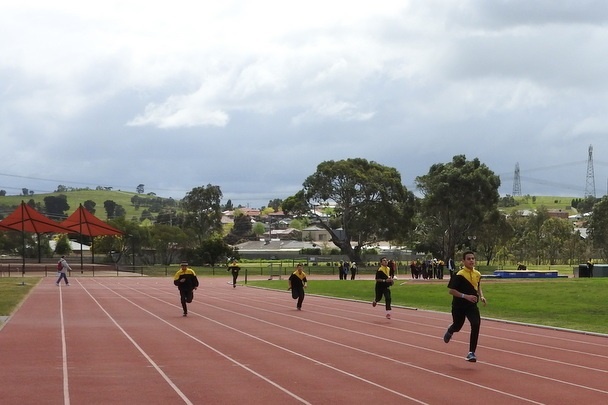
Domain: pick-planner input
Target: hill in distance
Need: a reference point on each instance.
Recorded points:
(77, 197)
(123, 198)
(549, 202)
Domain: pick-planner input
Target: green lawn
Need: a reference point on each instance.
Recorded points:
(579, 303)
(12, 291)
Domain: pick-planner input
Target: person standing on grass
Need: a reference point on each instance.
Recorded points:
(297, 284)
(382, 288)
(62, 269)
(345, 270)
(465, 289)
(353, 270)
(186, 281)
(234, 270)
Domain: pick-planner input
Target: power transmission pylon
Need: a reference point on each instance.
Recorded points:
(590, 184)
(516, 181)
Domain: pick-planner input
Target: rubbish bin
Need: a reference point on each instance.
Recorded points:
(584, 270)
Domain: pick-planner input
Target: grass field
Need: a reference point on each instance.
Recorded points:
(549, 202)
(75, 198)
(578, 304)
(13, 291)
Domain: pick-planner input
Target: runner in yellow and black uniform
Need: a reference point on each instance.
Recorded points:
(465, 288)
(382, 288)
(297, 284)
(186, 281)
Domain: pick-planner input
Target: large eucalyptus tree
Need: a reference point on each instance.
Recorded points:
(371, 203)
(457, 197)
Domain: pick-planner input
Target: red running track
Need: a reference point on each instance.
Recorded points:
(124, 341)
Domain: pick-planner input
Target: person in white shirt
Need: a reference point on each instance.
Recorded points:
(62, 269)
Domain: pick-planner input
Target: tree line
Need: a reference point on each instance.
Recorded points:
(359, 203)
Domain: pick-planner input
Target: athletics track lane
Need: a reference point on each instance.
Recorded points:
(124, 341)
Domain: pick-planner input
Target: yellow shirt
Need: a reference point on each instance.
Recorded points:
(473, 276)
(385, 270)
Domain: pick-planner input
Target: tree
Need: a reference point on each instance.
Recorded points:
(109, 206)
(168, 216)
(213, 250)
(515, 248)
(228, 206)
(137, 201)
(203, 211)
(586, 205)
(494, 233)
(12, 241)
(242, 230)
(168, 241)
(598, 227)
(119, 211)
(145, 214)
(555, 234)
(275, 204)
(2, 193)
(63, 245)
(128, 245)
(89, 205)
(258, 229)
(371, 203)
(140, 189)
(457, 197)
(532, 237)
(299, 223)
(56, 206)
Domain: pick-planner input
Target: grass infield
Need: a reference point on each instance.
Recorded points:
(574, 303)
(12, 292)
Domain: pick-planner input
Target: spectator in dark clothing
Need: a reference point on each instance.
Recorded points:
(392, 266)
(353, 270)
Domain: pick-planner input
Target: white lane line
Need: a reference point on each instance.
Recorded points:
(441, 352)
(156, 367)
(286, 391)
(316, 362)
(64, 352)
(465, 342)
(366, 352)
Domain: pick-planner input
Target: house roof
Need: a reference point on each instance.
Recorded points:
(287, 231)
(276, 245)
(313, 228)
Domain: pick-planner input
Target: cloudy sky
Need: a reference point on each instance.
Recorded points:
(252, 95)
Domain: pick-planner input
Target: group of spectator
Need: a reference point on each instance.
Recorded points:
(428, 269)
(419, 269)
(347, 268)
